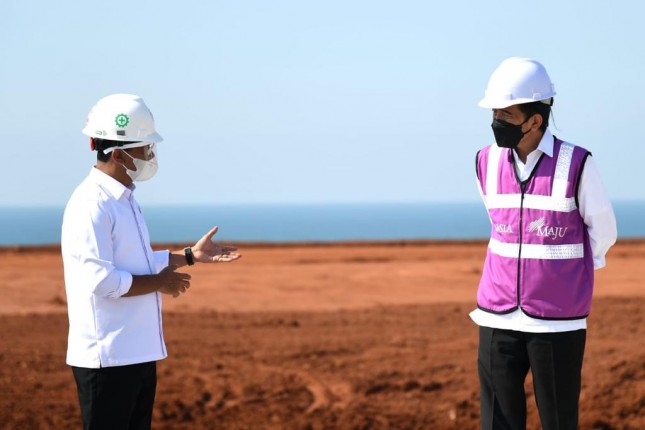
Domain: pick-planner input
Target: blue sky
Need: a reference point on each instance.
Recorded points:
(305, 101)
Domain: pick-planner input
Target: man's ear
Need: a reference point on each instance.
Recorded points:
(92, 144)
(117, 156)
(537, 121)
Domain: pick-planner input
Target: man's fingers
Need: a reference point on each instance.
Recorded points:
(211, 233)
(226, 257)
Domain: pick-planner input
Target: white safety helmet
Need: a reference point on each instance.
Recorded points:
(122, 118)
(515, 81)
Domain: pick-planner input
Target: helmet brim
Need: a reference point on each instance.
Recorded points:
(502, 104)
(150, 138)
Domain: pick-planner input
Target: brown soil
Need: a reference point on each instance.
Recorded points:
(346, 336)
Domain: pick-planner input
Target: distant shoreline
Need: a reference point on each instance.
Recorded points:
(277, 226)
(55, 248)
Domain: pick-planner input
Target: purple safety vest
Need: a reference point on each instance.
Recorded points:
(539, 257)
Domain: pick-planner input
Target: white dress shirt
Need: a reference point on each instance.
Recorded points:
(598, 215)
(104, 242)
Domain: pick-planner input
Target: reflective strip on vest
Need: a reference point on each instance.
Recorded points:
(557, 202)
(531, 201)
(562, 167)
(491, 170)
(537, 252)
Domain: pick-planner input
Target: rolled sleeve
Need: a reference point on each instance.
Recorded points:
(95, 254)
(104, 279)
(125, 283)
(107, 281)
(162, 258)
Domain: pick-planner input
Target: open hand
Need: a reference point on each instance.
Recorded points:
(207, 251)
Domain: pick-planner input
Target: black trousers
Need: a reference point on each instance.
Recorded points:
(555, 360)
(117, 398)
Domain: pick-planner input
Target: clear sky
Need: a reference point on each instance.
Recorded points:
(310, 101)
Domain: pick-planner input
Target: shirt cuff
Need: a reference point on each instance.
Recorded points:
(125, 283)
(162, 259)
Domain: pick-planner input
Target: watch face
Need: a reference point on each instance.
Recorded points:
(189, 256)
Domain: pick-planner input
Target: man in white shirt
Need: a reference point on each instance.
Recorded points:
(552, 224)
(113, 278)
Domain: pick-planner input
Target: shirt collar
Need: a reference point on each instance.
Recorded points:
(545, 146)
(111, 186)
(546, 143)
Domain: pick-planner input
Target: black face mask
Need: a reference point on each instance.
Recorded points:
(507, 135)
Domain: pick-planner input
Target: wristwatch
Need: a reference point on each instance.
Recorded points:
(190, 259)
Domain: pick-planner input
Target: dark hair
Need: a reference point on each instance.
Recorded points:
(102, 144)
(539, 108)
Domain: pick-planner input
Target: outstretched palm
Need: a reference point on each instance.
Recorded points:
(207, 251)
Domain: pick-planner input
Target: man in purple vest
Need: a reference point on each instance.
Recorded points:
(551, 226)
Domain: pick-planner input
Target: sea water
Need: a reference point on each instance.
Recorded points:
(297, 223)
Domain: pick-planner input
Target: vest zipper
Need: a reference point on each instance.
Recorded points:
(519, 251)
(523, 191)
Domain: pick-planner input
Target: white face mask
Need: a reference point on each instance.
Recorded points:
(146, 169)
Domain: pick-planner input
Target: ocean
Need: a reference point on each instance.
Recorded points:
(297, 223)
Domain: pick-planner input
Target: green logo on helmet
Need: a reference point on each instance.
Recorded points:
(122, 120)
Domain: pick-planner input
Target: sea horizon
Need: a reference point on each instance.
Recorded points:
(290, 222)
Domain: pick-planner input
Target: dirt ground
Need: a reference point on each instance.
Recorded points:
(343, 336)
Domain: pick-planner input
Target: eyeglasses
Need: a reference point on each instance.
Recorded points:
(150, 150)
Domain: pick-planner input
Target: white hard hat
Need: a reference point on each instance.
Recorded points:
(124, 118)
(515, 81)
